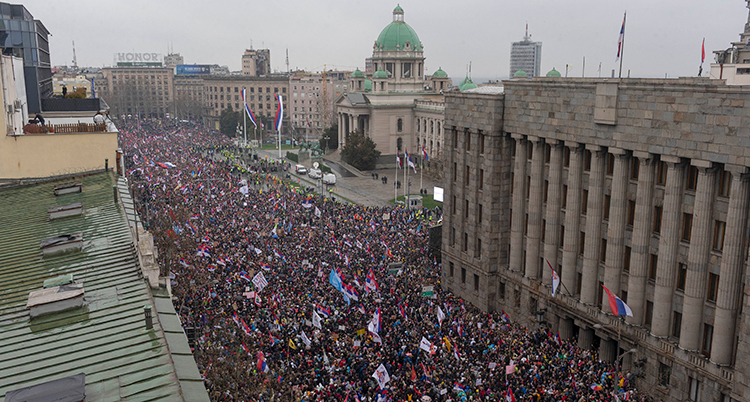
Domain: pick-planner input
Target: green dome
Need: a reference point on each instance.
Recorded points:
(368, 85)
(398, 8)
(380, 74)
(440, 73)
(467, 83)
(519, 74)
(396, 35)
(553, 73)
(357, 73)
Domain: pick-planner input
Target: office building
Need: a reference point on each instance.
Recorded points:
(25, 37)
(256, 62)
(136, 90)
(173, 60)
(526, 56)
(312, 97)
(221, 92)
(733, 64)
(641, 186)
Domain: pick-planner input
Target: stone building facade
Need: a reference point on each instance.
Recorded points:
(639, 185)
(145, 91)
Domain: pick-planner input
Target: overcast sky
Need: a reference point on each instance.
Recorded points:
(661, 36)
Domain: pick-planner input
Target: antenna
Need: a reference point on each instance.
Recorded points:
(75, 60)
(287, 60)
(469, 70)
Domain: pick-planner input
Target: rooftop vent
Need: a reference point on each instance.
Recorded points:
(68, 188)
(68, 389)
(55, 299)
(62, 211)
(62, 244)
(58, 281)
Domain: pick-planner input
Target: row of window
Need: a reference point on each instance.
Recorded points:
(250, 89)
(467, 142)
(451, 272)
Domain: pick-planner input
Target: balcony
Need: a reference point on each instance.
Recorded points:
(69, 128)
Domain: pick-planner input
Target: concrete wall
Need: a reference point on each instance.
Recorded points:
(43, 155)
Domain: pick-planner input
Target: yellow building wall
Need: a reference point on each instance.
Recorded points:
(44, 155)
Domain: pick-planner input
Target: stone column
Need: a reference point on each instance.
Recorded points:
(608, 349)
(618, 209)
(594, 214)
(640, 243)
(585, 338)
(732, 261)
(565, 327)
(569, 275)
(698, 256)
(518, 220)
(554, 203)
(533, 236)
(668, 245)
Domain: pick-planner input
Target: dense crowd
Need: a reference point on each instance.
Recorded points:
(256, 266)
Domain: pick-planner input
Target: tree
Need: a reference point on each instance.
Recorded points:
(228, 122)
(360, 151)
(333, 138)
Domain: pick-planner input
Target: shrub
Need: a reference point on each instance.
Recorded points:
(292, 156)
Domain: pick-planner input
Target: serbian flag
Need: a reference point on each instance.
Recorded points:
(262, 366)
(409, 162)
(510, 397)
(247, 109)
(703, 51)
(398, 161)
(402, 311)
(244, 327)
(322, 311)
(621, 39)
(505, 316)
(244, 347)
(424, 154)
(370, 281)
(279, 112)
(616, 304)
(555, 279)
(557, 339)
(376, 319)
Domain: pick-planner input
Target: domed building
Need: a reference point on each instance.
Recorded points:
(396, 103)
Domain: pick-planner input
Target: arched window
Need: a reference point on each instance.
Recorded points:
(432, 127)
(438, 128)
(417, 142)
(437, 150)
(400, 125)
(399, 143)
(418, 121)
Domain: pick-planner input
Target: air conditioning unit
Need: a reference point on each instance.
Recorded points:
(10, 109)
(17, 104)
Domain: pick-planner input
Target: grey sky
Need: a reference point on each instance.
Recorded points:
(662, 36)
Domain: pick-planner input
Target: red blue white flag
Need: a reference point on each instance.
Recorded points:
(621, 39)
(279, 112)
(616, 304)
(247, 109)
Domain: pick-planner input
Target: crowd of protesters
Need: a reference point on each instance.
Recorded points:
(257, 263)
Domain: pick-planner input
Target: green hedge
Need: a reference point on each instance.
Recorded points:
(292, 156)
(324, 168)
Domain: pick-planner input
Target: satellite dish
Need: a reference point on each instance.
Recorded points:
(315, 165)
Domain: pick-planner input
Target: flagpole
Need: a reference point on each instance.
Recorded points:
(421, 174)
(244, 115)
(395, 180)
(622, 44)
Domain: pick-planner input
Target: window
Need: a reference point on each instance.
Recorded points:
(584, 202)
(466, 208)
(687, 226)
(578, 283)
(455, 138)
(454, 205)
(453, 236)
(657, 218)
(713, 287)
(455, 169)
(681, 275)
(649, 313)
(607, 201)
(528, 186)
(501, 292)
(695, 390)
(463, 275)
(652, 267)
(582, 242)
(468, 139)
(530, 150)
(661, 174)
(466, 241)
(587, 161)
(610, 164)
(719, 229)
(692, 178)
(400, 125)
(476, 282)
(566, 157)
(626, 259)
(479, 248)
(676, 324)
(564, 199)
(481, 178)
(634, 169)
(631, 212)
(600, 295)
(708, 334)
(451, 269)
(665, 372)
(547, 153)
(546, 190)
(481, 142)
(603, 251)
(466, 174)
(512, 182)
(479, 213)
(544, 233)
(562, 236)
(725, 183)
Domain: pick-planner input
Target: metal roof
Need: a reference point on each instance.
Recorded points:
(107, 338)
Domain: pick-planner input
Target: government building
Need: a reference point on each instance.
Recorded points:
(397, 105)
(639, 185)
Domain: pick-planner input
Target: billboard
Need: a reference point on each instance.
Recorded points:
(193, 69)
(138, 59)
(437, 194)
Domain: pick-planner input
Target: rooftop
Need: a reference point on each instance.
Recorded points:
(107, 338)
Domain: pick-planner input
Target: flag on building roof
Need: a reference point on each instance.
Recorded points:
(621, 38)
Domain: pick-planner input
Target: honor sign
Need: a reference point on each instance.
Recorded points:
(138, 59)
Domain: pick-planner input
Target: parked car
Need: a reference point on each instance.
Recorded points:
(300, 169)
(315, 173)
(329, 178)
